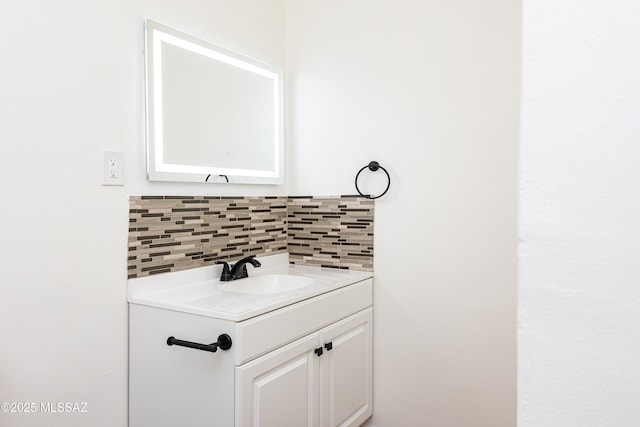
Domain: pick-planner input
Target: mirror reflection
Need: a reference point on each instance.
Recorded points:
(210, 112)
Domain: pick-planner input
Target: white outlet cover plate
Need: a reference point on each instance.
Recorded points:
(112, 167)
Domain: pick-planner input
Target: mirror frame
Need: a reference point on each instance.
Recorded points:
(157, 169)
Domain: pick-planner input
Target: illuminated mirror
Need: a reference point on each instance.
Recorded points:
(213, 115)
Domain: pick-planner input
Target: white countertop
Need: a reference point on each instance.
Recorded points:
(197, 291)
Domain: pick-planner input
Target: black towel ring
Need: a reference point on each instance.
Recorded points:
(374, 166)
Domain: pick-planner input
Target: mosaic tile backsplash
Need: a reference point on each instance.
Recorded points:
(172, 233)
(331, 232)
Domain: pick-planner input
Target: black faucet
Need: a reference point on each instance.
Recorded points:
(238, 270)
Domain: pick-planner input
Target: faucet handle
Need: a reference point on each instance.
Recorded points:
(226, 272)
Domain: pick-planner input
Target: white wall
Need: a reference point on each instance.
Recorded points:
(579, 293)
(431, 91)
(71, 84)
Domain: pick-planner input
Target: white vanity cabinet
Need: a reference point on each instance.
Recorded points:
(323, 379)
(308, 363)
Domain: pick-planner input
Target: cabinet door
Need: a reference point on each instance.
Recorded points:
(347, 397)
(280, 389)
(178, 386)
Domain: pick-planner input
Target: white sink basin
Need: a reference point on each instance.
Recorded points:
(267, 284)
(275, 285)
